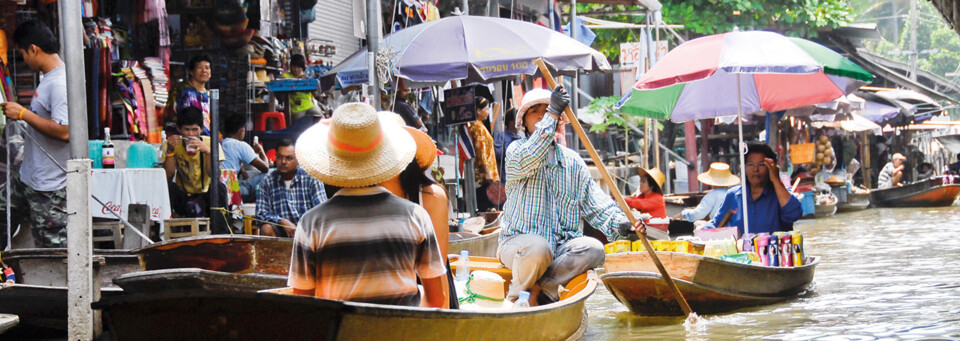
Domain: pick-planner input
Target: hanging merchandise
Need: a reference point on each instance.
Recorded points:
(231, 24)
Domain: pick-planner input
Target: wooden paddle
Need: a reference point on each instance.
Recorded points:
(616, 192)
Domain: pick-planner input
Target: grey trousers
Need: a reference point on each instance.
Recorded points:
(533, 261)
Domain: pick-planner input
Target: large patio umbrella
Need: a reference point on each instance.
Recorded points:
(472, 47)
(741, 72)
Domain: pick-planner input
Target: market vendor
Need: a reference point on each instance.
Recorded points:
(649, 197)
(194, 93)
(549, 191)
(721, 180)
(302, 103)
(770, 205)
(892, 172)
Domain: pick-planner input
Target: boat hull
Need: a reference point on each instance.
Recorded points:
(204, 314)
(157, 281)
(825, 210)
(235, 254)
(718, 285)
(928, 193)
(855, 202)
(478, 245)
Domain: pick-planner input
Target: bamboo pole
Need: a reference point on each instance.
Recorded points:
(616, 192)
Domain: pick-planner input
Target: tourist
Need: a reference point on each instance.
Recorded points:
(285, 194)
(503, 139)
(187, 164)
(892, 172)
(720, 180)
(413, 184)
(38, 191)
(485, 164)
(770, 205)
(649, 197)
(549, 192)
(364, 244)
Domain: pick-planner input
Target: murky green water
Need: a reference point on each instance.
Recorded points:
(885, 274)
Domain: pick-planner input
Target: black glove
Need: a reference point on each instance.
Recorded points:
(558, 101)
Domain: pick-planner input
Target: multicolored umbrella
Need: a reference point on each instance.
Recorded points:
(478, 48)
(699, 79)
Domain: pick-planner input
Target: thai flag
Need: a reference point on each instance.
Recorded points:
(465, 145)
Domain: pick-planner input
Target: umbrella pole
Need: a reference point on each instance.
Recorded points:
(743, 164)
(616, 192)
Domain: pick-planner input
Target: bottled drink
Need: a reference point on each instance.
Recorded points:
(523, 300)
(108, 150)
(463, 271)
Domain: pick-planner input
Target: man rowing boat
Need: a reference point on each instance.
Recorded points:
(549, 191)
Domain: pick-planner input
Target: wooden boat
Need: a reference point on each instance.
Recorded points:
(8, 321)
(932, 192)
(709, 285)
(156, 281)
(225, 253)
(215, 315)
(39, 297)
(675, 204)
(825, 210)
(483, 244)
(855, 202)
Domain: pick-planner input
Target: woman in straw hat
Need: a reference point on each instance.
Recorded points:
(364, 244)
(649, 197)
(413, 184)
(718, 177)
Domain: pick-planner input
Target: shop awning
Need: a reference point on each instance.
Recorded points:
(950, 142)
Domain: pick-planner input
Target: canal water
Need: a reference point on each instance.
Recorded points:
(886, 274)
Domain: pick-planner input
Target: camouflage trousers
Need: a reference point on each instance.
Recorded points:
(45, 212)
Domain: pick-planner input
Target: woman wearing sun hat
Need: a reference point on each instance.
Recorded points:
(649, 197)
(364, 244)
(718, 177)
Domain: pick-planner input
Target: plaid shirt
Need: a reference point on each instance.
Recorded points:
(275, 202)
(549, 191)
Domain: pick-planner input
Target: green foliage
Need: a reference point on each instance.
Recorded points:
(932, 34)
(800, 18)
(607, 107)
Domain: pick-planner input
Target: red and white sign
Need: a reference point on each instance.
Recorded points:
(631, 54)
(662, 49)
(118, 188)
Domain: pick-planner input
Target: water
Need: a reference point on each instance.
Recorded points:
(886, 274)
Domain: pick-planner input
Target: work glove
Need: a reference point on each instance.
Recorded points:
(558, 101)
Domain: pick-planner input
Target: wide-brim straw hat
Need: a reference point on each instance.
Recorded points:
(656, 174)
(357, 147)
(531, 98)
(719, 176)
(426, 148)
(485, 284)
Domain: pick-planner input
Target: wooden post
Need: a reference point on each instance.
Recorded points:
(616, 192)
(865, 155)
(690, 148)
(139, 217)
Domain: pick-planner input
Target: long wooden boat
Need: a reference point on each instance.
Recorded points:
(217, 315)
(855, 202)
(156, 281)
(932, 192)
(8, 321)
(39, 297)
(483, 244)
(225, 253)
(709, 285)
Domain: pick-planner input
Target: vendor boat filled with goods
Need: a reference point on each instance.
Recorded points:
(212, 315)
(933, 192)
(217, 263)
(38, 294)
(826, 205)
(733, 278)
(857, 199)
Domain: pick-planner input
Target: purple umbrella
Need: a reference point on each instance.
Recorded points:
(478, 48)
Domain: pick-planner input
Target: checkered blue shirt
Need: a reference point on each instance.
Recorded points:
(275, 202)
(549, 191)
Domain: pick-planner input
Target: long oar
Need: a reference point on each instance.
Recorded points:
(616, 192)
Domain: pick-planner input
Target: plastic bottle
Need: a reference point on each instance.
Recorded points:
(463, 271)
(523, 300)
(108, 151)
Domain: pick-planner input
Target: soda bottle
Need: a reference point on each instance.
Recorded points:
(523, 300)
(108, 150)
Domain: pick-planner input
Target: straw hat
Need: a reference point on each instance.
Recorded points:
(426, 148)
(654, 173)
(531, 98)
(484, 291)
(719, 176)
(357, 147)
